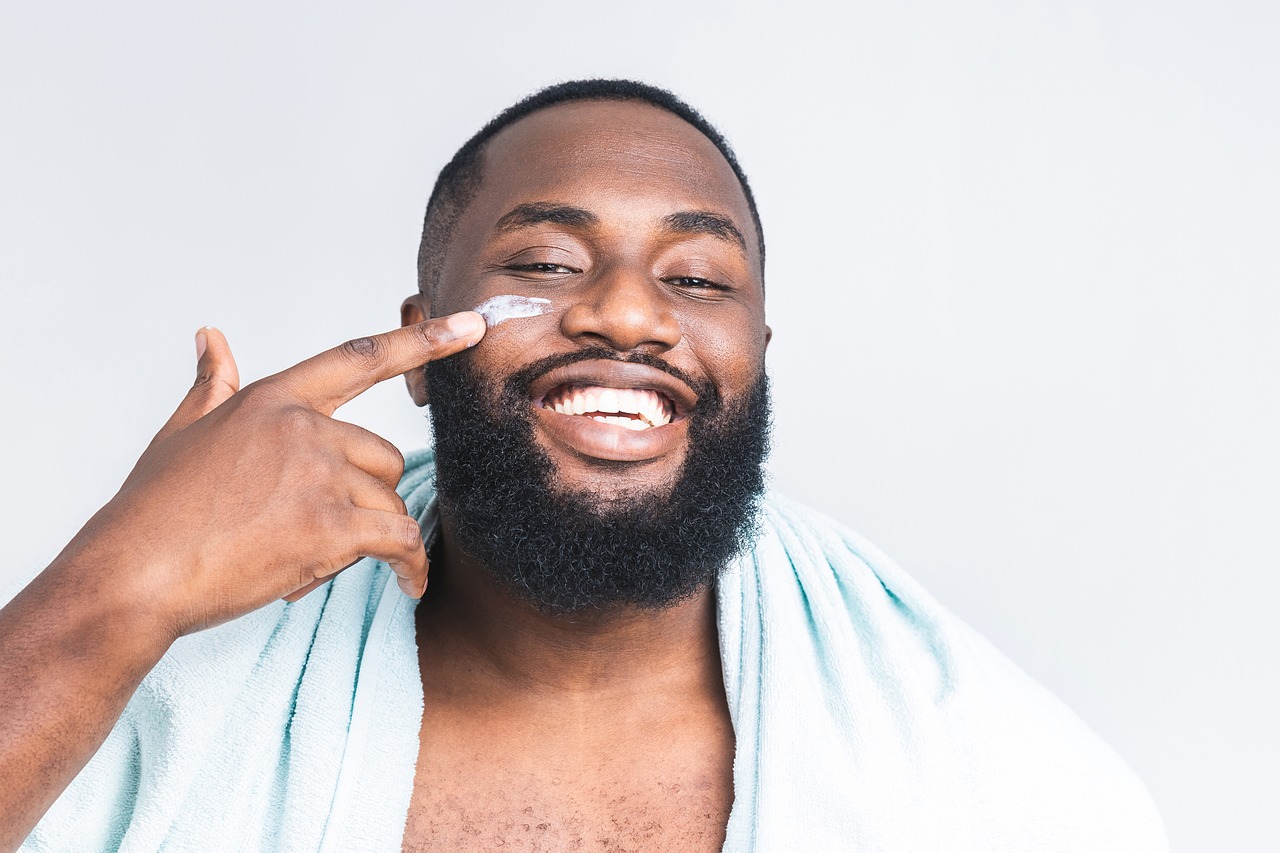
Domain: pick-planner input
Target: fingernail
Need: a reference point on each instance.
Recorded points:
(202, 343)
(465, 324)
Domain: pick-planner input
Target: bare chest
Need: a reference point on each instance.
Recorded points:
(474, 799)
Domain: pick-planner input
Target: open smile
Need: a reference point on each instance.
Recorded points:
(618, 411)
(629, 408)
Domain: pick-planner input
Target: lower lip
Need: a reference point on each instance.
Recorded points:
(584, 436)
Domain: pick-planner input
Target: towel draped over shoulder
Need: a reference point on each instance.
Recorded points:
(866, 716)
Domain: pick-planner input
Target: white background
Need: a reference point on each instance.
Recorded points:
(1022, 277)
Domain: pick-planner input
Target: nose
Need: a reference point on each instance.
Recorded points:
(626, 310)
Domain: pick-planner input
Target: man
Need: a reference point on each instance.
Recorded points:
(621, 646)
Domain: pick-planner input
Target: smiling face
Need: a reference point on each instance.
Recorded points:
(635, 228)
(605, 449)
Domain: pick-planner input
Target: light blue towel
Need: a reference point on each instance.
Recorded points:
(867, 718)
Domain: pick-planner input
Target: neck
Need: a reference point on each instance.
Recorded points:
(474, 637)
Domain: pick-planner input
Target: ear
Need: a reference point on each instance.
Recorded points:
(768, 336)
(416, 309)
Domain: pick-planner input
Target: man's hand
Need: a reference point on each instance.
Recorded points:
(243, 497)
(250, 495)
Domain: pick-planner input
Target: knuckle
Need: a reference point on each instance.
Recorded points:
(375, 455)
(255, 395)
(424, 339)
(390, 459)
(410, 536)
(204, 380)
(364, 352)
(211, 389)
(310, 572)
(321, 570)
(295, 422)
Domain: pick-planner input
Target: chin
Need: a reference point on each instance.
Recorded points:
(615, 496)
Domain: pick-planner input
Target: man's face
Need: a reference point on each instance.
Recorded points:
(598, 206)
(635, 228)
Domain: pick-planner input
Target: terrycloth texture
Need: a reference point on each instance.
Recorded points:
(235, 741)
(867, 718)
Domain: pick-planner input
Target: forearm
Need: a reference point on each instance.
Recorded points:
(262, 471)
(71, 655)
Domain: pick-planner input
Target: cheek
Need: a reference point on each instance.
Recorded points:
(509, 346)
(729, 347)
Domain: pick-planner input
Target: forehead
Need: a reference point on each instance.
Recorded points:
(609, 151)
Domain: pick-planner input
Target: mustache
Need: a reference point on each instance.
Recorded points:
(517, 385)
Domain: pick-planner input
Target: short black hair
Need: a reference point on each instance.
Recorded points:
(459, 180)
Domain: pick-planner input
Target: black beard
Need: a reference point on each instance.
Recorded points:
(566, 552)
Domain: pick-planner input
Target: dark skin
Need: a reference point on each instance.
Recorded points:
(608, 730)
(261, 470)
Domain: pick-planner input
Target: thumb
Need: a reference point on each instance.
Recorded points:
(217, 378)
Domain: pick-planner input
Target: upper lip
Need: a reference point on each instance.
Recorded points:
(606, 373)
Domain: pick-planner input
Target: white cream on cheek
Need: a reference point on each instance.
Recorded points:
(499, 309)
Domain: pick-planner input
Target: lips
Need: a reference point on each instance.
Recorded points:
(610, 410)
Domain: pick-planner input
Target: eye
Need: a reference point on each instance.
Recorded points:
(695, 283)
(548, 269)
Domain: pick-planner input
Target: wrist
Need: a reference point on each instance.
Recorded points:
(103, 599)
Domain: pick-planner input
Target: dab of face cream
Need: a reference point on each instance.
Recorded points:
(501, 308)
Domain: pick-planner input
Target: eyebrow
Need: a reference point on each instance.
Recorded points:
(539, 212)
(685, 222)
(705, 222)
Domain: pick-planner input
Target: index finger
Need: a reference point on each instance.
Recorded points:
(338, 375)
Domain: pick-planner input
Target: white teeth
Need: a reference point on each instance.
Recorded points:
(613, 404)
(651, 408)
(608, 401)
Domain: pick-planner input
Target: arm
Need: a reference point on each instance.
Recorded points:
(262, 471)
(73, 655)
